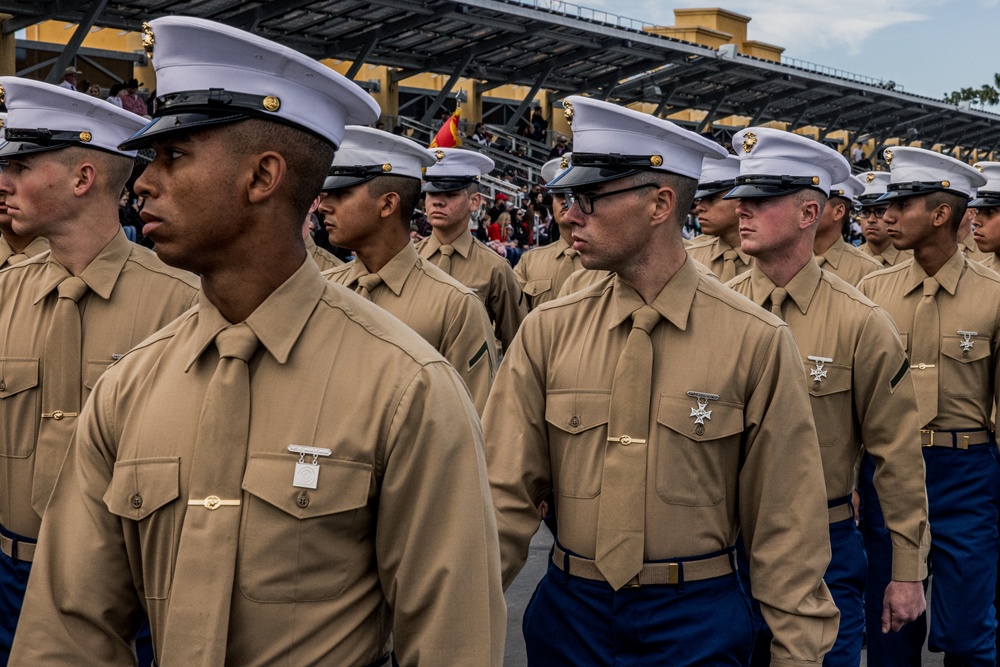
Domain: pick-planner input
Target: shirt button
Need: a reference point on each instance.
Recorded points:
(3, 386)
(137, 501)
(574, 421)
(699, 430)
(303, 501)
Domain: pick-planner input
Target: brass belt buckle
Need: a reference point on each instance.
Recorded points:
(930, 433)
(673, 573)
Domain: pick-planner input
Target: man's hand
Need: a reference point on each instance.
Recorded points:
(903, 602)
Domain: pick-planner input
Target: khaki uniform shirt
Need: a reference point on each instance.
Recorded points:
(398, 539)
(891, 256)
(539, 271)
(710, 251)
(992, 262)
(847, 262)
(8, 257)
(971, 250)
(443, 311)
(582, 279)
(324, 259)
(489, 276)
(864, 394)
(754, 465)
(967, 384)
(132, 294)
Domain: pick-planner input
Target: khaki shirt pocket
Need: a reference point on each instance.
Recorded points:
(537, 286)
(965, 373)
(143, 490)
(297, 545)
(832, 402)
(696, 464)
(578, 434)
(20, 407)
(93, 372)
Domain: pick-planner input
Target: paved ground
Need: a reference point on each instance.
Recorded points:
(520, 592)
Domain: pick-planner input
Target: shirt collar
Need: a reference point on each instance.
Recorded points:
(463, 244)
(278, 321)
(835, 252)
(100, 275)
(394, 273)
(801, 288)
(947, 276)
(673, 302)
(721, 247)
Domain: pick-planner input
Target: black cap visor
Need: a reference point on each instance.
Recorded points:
(27, 141)
(758, 187)
(448, 183)
(181, 122)
(576, 177)
(713, 188)
(915, 188)
(869, 200)
(985, 200)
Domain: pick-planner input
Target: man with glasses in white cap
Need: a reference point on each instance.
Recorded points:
(986, 225)
(856, 372)
(877, 243)
(541, 272)
(659, 448)
(451, 188)
(368, 200)
(937, 301)
(833, 253)
(286, 474)
(65, 315)
(719, 246)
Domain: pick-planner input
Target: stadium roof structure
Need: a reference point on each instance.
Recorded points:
(560, 47)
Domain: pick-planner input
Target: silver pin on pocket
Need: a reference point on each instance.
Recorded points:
(307, 474)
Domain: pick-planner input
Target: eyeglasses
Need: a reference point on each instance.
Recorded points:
(586, 200)
(877, 211)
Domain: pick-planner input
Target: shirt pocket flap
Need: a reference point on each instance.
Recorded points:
(94, 371)
(142, 486)
(837, 378)
(576, 413)
(721, 419)
(537, 286)
(341, 485)
(951, 346)
(17, 375)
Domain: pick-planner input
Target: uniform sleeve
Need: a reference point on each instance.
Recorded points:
(436, 540)
(82, 606)
(517, 448)
(507, 303)
(783, 507)
(468, 346)
(886, 406)
(521, 272)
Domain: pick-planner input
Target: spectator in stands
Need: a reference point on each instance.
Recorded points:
(132, 101)
(70, 77)
(116, 95)
(499, 206)
(480, 136)
(94, 90)
(561, 146)
(495, 231)
(538, 125)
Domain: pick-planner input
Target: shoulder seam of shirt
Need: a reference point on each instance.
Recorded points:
(740, 303)
(853, 293)
(162, 269)
(455, 286)
(983, 271)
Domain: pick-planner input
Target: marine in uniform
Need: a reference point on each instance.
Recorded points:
(65, 314)
(659, 448)
(936, 300)
(966, 239)
(877, 243)
(856, 373)
(719, 247)
(264, 475)
(15, 248)
(324, 259)
(541, 272)
(833, 253)
(368, 199)
(451, 190)
(986, 225)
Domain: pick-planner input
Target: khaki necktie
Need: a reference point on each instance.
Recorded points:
(926, 349)
(565, 269)
(728, 265)
(446, 252)
(61, 380)
(367, 284)
(621, 514)
(197, 624)
(778, 296)
(821, 260)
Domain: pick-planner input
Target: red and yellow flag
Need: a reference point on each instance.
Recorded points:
(449, 136)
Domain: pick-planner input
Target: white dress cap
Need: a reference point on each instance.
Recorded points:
(455, 169)
(367, 153)
(554, 167)
(916, 171)
(775, 163)
(988, 195)
(717, 176)
(44, 117)
(849, 189)
(208, 73)
(612, 142)
(875, 183)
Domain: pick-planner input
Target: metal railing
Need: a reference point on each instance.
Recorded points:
(584, 13)
(840, 74)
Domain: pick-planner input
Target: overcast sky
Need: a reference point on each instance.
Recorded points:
(930, 47)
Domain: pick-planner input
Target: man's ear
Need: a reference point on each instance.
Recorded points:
(84, 178)
(388, 204)
(941, 215)
(268, 171)
(665, 204)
